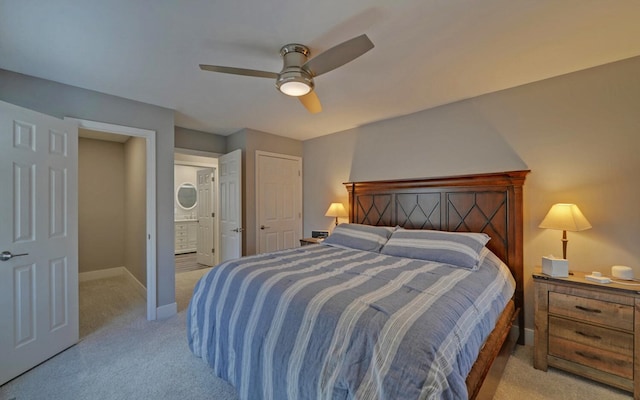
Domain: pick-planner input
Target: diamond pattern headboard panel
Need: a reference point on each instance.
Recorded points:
(489, 203)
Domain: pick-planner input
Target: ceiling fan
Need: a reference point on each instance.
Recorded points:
(296, 77)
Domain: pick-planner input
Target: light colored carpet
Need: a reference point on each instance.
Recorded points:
(523, 382)
(187, 262)
(121, 355)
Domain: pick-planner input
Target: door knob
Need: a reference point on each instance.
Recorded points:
(237, 230)
(264, 227)
(6, 255)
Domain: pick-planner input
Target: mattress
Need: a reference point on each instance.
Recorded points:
(325, 322)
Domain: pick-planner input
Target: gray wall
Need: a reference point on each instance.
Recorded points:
(101, 217)
(198, 140)
(578, 133)
(62, 100)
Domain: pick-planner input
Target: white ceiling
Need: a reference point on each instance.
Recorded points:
(427, 52)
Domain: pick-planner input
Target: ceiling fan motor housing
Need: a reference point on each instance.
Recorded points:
(297, 74)
(294, 80)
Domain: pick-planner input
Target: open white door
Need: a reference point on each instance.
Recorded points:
(206, 217)
(230, 175)
(278, 201)
(39, 227)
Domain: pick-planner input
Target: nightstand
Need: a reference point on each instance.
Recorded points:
(589, 329)
(306, 241)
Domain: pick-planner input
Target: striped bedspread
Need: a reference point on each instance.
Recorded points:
(320, 322)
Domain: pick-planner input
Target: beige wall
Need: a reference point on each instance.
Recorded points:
(135, 207)
(112, 206)
(579, 134)
(100, 205)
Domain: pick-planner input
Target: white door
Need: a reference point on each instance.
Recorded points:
(278, 201)
(206, 217)
(230, 189)
(38, 218)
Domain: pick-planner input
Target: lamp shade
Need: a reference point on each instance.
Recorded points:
(565, 217)
(336, 210)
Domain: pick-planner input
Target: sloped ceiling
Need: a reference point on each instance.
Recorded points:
(427, 53)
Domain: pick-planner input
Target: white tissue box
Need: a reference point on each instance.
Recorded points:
(555, 267)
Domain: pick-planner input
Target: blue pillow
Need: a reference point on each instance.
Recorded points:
(359, 237)
(460, 249)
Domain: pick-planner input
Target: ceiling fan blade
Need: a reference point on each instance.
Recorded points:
(338, 55)
(239, 71)
(311, 102)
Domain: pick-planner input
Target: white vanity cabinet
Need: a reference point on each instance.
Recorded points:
(186, 236)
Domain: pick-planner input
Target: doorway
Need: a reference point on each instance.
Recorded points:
(147, 233)
(195, 209)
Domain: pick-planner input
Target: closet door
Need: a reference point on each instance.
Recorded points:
(278, 201)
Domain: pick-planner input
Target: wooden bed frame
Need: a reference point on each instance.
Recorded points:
(489, 203)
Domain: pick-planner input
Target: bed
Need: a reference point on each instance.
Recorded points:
(414, 298)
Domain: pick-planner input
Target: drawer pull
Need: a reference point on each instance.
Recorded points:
(591, 310)
(589, 356)
(596, 337)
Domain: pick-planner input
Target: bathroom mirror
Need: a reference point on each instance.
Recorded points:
(187, 196)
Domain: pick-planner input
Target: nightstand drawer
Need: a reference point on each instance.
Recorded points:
(615, 315)
(599, 348)
(604, 339)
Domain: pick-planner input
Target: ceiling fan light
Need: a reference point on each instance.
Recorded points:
(295, 89)
(294, 83)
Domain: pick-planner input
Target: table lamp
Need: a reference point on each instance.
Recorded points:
(565, 217)
(336, 210)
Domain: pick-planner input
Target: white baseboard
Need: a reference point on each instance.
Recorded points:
(112, 272)
(100, 274)
(528, 334)
(162, 312)
(139, 286)
(167, 311)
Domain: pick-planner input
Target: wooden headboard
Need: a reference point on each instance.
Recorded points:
(489, 203)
